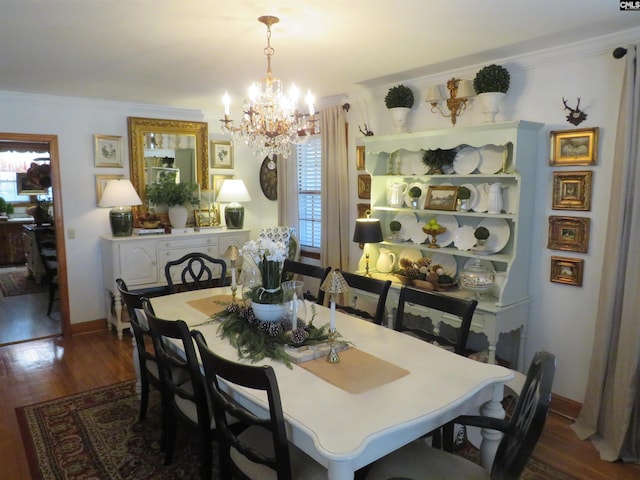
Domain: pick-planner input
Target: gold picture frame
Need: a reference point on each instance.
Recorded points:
(360, 158)
(107, 151)
(206, 218)
(572, 190)
(221, 154)
(101, 183)
(364, 187)
(574, 147)
(216, 184)
(441, 197)
(568, 271)
(569, 233)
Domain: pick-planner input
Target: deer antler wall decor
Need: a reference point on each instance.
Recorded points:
(575, 117)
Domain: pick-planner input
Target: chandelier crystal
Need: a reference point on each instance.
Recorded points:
(271, 121)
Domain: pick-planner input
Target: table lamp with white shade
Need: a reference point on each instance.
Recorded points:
(120, 195)
(233, 191)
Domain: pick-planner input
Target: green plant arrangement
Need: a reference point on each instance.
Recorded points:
(3, 205)
(492, 78)
(168, 192)
(481, 233)
(395, 226)
(415, 192)
(10, 209)
(464, 193)
(399, 96)
(438, 158)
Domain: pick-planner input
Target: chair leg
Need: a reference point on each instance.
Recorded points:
(144, 398)
(52, 295)
(169, 436)
(206, 454)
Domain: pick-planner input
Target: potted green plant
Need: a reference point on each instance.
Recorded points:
(414, 194)
(491, 84)
(395, 226)
(3, 206)
(462, 199)
(10, 209)
(399, 100)
(438, 158)
(174, 195)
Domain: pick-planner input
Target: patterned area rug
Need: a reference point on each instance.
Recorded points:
(97, 434)
(18, 282)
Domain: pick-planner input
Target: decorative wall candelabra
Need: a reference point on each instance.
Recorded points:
(460, 91)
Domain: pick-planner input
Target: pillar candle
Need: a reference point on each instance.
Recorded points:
(332, 324)
(294, 313)
(233, 277)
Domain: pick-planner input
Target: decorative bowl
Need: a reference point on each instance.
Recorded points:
(424, 284)
(404, 279)
(443, 287)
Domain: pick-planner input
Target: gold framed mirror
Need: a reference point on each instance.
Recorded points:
(161, 144)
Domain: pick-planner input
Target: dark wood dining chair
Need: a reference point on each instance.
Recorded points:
(261, 450)
(425, 328)
(292, 268)
(521, 433)
(371, 285)
(188, 401)
(195, 270)
(46, 242)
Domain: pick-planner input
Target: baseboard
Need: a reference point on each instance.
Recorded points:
(88, 327)
(565, 406)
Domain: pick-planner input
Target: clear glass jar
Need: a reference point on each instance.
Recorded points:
(477, 278)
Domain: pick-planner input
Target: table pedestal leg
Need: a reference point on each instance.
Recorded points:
(491, 438)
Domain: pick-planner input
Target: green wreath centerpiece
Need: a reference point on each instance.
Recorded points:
(256, 340)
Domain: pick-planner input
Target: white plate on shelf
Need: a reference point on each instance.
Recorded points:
(482, 205)
(466, 161)
(417, 234)
(451, 224)
(448, 263)
(423, 195)
(499, 233)
(510, 199)
(464, 238)
(492, 158)
(408, 221)
(473, 198)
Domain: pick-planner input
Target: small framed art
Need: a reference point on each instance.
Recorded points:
(567, 270)
(216, 183)
(574, 147)
(221, 154)
(572, 190)
(441, 197)
(27, 187)
(101, 183)
(364, 186)
(569, 233)
(107, 151)
(360, 158)
(206, 218)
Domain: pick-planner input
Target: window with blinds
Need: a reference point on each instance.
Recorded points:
(309, 157)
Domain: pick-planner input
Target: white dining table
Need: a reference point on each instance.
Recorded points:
(345, 431)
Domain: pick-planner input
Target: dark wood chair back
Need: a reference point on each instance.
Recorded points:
(197, 270)
(225, 407)
(371, 285)
(46, 241)
(306, 270)
(443, 303)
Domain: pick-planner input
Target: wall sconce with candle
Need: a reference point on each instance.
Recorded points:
(460, 91)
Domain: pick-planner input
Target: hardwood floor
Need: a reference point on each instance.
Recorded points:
(51, 368)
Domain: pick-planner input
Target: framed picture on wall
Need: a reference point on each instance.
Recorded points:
(441, 197)
(364, 186)
(567, 270)
(107, 151)
(572, 190)
(569, 233)
(216, 183)
(101, 183)
(221, 154)
(574, 147)
(360, 158)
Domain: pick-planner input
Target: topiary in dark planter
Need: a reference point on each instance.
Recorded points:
(492, 78)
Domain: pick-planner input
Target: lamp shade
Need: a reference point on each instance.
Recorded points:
(334, 283)
(234, 191)
(433, 93)
(120, 195)
(368, 230)
(465, 89)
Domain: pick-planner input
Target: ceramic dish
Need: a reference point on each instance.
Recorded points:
(473, 198)
(448, 263)
(510, 199)
(407, 220)
(483, 198)
(451, 224)
(492, 158)
(423, 195)
(499, 233)
(464, 238)
(466, 161)
(417, 234)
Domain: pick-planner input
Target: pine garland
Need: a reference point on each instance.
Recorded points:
(256, 340)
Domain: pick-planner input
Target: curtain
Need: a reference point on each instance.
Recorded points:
(334, 250)
(287, 191)
(610, 415)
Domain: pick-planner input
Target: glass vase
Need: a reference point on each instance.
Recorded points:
(295, 308)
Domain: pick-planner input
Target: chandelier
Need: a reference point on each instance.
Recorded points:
(271, 121)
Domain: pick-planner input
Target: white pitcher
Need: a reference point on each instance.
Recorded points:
(395, 193)
(495, 198)
(386, 261)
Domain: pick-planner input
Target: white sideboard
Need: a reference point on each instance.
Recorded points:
(140, 261)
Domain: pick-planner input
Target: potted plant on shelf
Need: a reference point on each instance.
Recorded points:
(462, 199)
(491, 84)
(173, 195)
(399, 100)
(395, 226)
(438, 159)
(414, 194)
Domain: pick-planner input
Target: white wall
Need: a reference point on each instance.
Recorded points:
(75, 121)
(562, 318)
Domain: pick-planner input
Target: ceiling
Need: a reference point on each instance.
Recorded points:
(186, 53)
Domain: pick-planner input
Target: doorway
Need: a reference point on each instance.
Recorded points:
(23, 307)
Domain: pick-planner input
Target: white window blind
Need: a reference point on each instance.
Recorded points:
(309, 157)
